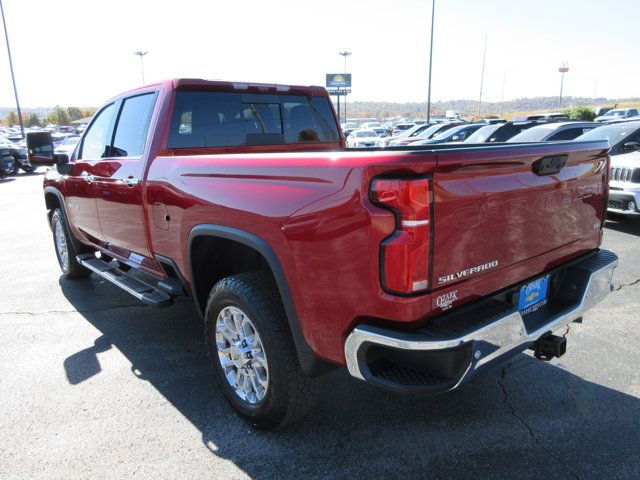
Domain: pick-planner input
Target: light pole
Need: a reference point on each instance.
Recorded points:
(504, 82)
(141, 54)
(13, 78)
(433, 11)
(345, 54)
(484, 56)
(595, 85)
(564, 68)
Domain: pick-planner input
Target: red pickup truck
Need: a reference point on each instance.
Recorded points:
(413, 267)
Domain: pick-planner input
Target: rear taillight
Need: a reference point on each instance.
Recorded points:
(405, 254)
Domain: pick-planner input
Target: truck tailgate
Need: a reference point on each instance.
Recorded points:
(498, 206)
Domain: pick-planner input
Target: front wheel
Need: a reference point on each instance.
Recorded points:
(65, 251)
(16, 165)
(253, 352)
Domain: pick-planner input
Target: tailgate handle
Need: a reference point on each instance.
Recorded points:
(549, 165)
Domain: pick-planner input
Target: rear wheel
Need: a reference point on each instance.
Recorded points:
(16, 165)
(65, 251)
(253, 352)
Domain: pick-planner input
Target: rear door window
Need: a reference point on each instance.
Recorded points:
(220, 119)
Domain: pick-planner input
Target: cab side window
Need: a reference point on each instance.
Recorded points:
(96, 138)
(133, 125)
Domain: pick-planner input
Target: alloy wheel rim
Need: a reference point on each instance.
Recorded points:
(61, 246)
(241, 355)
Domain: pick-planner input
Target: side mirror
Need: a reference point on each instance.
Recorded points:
(631, 146)
(62, 163)
(40, 148)
(456, 138)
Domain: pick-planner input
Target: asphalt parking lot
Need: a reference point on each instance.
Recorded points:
(95, 385)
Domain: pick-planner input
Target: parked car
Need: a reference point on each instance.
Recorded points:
(545, 116)
(302, 256)
(6, 163)
(409, 133)
(400, 127)
(553, 132)
(499, 132)
(617, 114)
(623, 137)
(348, 131)
(382, 132)
(67, 146)
(454, 134)
(624, 184)
(426, 134)
(371, 125)
(19, 154)
(363, 138)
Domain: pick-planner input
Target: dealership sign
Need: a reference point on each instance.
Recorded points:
(338, 80)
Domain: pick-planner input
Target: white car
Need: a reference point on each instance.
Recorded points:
(617, 114)
(364, 138)
(624, 184)
(67, 146)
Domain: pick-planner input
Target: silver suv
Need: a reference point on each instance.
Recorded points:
(624, 184)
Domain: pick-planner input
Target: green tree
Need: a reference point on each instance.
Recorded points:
(88, 112)
(580, 113)
(33, 120)
(12, 118)
(61, 115)
(74, 113)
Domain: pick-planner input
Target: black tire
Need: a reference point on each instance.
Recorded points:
(70, 269)
(16, 165)
(290, 394)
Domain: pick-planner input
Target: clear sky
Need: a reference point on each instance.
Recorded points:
(80, 52)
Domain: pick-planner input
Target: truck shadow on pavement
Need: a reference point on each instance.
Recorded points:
(629, 225)
(523, 419)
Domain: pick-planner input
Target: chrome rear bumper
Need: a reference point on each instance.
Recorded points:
(474, 336)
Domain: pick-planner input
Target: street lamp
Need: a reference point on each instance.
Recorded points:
(595, 85)
(433, 11)
(345, 54)
(564, 68)
(484, 56)
(141, 54)
(504, 81)
(13, 79)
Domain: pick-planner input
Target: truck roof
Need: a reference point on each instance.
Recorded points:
(229, 86)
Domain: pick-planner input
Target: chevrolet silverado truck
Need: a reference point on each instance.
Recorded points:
(413, 267)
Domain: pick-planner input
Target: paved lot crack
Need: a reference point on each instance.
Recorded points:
(624, 285)
(527, 426)
(90, 310)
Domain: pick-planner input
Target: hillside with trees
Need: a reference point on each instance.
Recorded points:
(469, 108)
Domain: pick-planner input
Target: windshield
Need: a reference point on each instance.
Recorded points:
(70, 141)
(450, 132)
(406, 128)
(614, 113)
(365, 133)
(482, 135)
(535, 134)
(612, 133)
(428, 132)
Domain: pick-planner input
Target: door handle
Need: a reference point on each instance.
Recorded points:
(131, 182)
(87, 177)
